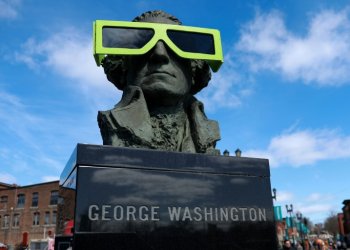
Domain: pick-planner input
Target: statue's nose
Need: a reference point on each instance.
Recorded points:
(160, 53)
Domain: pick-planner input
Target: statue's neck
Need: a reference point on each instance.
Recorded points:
(166, 110)
(173, 110)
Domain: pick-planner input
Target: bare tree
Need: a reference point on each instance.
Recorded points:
(331, 223)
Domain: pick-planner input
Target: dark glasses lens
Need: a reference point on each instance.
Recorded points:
(128, 38)
(192, 42)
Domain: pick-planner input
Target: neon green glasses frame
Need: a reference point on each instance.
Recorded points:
(214, 58)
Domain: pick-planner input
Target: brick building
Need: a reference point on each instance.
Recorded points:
(346, 218)
(341, 223)
(27, 213)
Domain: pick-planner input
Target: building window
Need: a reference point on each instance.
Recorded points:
(21, 199)
(35, 199)
(15, 220)
(3, 202)
(54, 217)
(36, 219)
(54, 197)
(35, 245)
(47, 218)
(3, 199)
(6, 221)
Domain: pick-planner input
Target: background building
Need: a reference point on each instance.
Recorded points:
(346, 219)
(341, 223)
(27, 213)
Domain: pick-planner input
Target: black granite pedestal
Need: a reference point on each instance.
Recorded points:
(124, 198)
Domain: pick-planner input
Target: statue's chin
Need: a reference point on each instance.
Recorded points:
(163, 93)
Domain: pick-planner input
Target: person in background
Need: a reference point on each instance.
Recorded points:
(287, 245)
(299, 246)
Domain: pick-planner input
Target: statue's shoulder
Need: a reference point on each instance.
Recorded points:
(205, 132)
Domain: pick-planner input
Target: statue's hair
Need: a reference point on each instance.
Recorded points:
(116, 71)
(156, 13)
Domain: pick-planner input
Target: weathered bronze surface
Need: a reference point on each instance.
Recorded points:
(158, 109)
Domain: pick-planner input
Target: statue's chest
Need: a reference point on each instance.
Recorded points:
(168, 131)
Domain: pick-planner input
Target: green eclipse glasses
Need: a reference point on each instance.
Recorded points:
(137, 38)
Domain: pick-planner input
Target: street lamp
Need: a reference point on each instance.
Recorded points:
(274, 191)
(290, 211)
(299, 215)
(226, 153)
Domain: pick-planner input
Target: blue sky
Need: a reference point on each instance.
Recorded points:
(282, 93)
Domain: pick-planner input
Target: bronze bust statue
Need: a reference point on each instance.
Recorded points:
(158, 109)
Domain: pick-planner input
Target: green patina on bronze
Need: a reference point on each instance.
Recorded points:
(158, 109)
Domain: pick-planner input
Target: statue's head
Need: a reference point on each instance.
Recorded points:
(164, 77)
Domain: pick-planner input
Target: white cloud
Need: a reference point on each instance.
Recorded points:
(8, 8)
(7, 178)
(315, 208)
(304, 147)
(15, 118)
(24, 124)
(318, 197)
(322, 56)
(25, 133)
(314, 197)
(284, 196)
(227, 88)
(49, 178)
(68, 53)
